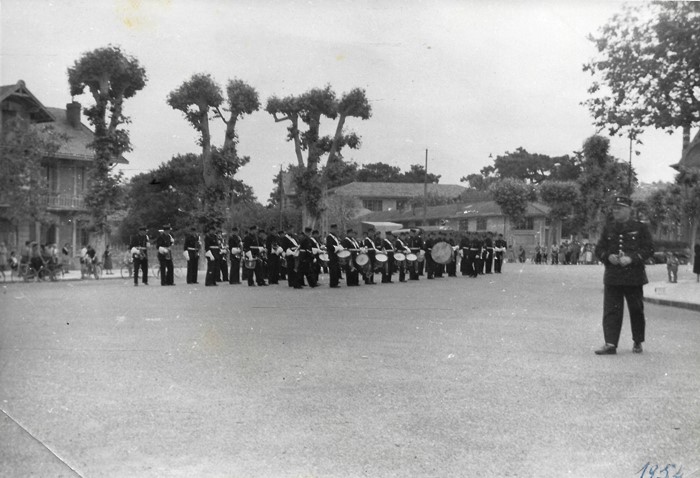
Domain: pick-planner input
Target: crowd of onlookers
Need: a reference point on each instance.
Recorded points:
(44, 260)
(568, 252)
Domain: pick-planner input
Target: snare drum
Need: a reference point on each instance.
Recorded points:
(323, 257)
(250, 263)
(381, 257)
(344, 257)
(399, 257)
(411, 258)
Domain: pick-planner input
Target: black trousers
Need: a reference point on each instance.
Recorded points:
(498, 262)
(166, 269)
(192, 267)
(488, 260)
(235, 276)
(223, 269)
(212, 269)
(141, 264)
(273, 269)
(613, 308)
(334, 270)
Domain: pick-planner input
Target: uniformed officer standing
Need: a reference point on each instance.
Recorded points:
(139, 253)
(235, 247)
(430, 264)
(400, 246)
(164, 243)
(499, 250)
(223, 257)
(192, 246)
(368, 243)
(307, 249)
(291, 252)
(352, 275)
(333, 247)
(273, 258)
(624, 247)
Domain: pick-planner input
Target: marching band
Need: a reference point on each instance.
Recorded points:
(300, 258)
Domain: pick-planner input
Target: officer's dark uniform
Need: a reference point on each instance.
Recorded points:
(273, 259)
(475, 255)
(401, 267)
(630, 238)
(192, 246)
(140, 258)
(251, 243)
(306, 258)
(352, 275)
(290, 245)
(430, 264)
(488, 253)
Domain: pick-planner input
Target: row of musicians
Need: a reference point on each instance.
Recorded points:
(268, 258)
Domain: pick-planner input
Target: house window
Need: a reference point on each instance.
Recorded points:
(372, 204)
(480, 223)
(525, 223)
(400, 205)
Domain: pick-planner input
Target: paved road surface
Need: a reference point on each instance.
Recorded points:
(451, 377)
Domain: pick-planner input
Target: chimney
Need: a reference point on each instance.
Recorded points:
(73, 114)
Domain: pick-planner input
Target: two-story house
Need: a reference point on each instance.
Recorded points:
(66, 172)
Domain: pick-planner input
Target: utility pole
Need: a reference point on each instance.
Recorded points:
(425, 190)
(281, 197)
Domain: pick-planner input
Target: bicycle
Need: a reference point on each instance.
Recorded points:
(127, 270)
(92, 269)
(155, 270)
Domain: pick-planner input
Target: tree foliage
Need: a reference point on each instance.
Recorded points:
(111, 77)
(308, 109)
(199, 98)
(648, 70)
(512, 196)
(23, 186)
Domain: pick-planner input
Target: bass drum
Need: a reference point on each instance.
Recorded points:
(344, 257)
(399, 257)
(442, 253)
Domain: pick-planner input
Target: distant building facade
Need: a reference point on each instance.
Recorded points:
(66, 172)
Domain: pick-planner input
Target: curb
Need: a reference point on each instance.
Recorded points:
(673, 303)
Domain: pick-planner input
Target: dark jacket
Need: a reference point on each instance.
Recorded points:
(630, 238)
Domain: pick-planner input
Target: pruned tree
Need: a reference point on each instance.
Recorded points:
(111, 77)
(562, 197)
(648, 71)
(308, 109)
(199, 99)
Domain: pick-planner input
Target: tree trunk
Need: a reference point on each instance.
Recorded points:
(686, 139)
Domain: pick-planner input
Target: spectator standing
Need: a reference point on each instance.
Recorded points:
(3, 259)
(107, 260)
(672, 267)
(696, 262)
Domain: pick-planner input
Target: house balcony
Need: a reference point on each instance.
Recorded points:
(58, 201)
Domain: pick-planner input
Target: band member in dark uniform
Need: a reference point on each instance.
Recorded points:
(306, 257)
(624, 247)
(488, 252)
(429, 262)
(318, 264)
(352, 275)
(415, 243)
(400, 246)
(452, 265)
(368, 243)
(273, 258)
(235, 247)
(500, 247)
(291, 254)
(192, 247)
(252, 251)
(333, 247)
(476, 250)
(164, 243)
(387, 245)
(283, 260)
(211, 252)
(139, 253)
(223, 257)
(466, 267)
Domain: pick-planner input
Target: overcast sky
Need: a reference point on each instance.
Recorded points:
(463, 79)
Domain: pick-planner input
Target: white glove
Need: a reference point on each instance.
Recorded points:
(235, 250)
(338, 248)
(279, 251)
(134, 250)
(209, 255)
(249, 255)
(315, 250)
(187, 255)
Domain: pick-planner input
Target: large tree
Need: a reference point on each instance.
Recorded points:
(111, 77)
(200, 98)
(23, 185)
(304, 113)
(562, 197)
(648, 70)
(512, 196)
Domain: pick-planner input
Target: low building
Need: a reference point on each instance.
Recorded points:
(66, 172)
(394, 196)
